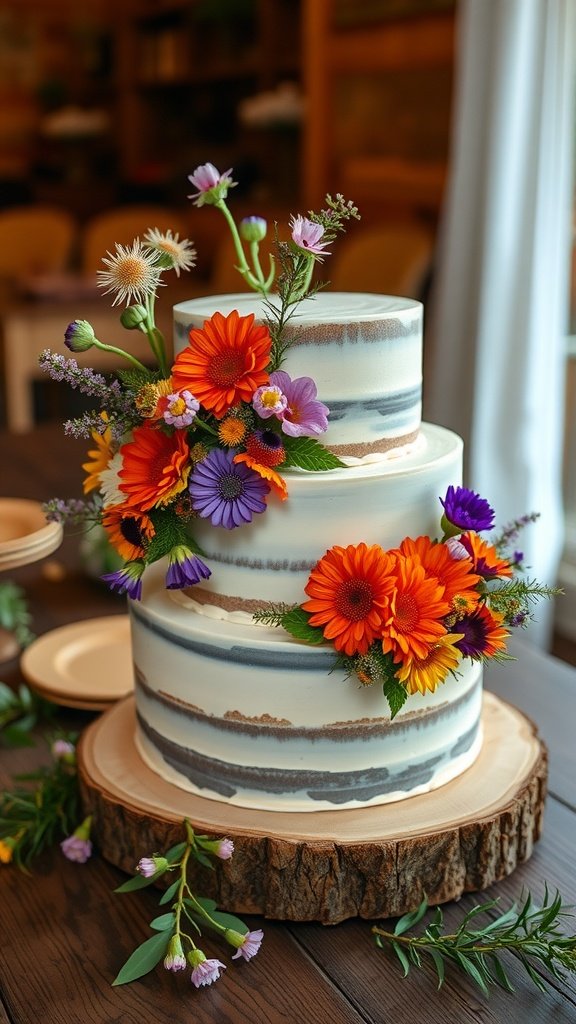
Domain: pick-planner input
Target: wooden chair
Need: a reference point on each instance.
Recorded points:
(122, 225)
(390, 260)
(35, 240)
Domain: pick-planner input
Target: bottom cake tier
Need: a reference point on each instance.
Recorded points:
(243, 714)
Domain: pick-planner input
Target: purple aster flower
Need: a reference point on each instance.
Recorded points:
(465, 510)
(225, 849)
(181, 409)
(250, 945)
(185, 569)
(63, 750)
(269, 401)
(306, 234)
(226, 492)
(212, 186)
(127, 580)
(304, 415)
(78, 847)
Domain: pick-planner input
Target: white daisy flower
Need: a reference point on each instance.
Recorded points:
(133, 272)
(110, 482)
(181, 253)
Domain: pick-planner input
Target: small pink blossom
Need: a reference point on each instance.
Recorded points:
(63, 750)
(306, 234)
(268, 401)
(212, 186)
(225, 849)
(78, 847)
(180, 409)
(206, 972)
(250, 945)
(175, 959)
(457, 549)
(304, 415)
(146, 867)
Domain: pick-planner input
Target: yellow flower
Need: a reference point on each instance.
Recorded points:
(6, 850)
(421, 674)
(231, 431)
(99, 457)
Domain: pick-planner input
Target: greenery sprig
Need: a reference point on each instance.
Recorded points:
(14, 614)
(21, 711)
(529, 931)
(177, 929)
(36, 815)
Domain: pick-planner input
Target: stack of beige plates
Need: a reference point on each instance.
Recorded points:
(86, 665)
(25, 536)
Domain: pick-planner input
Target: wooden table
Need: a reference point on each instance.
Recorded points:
(65, 934)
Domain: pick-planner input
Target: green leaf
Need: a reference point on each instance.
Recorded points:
(500, 975)
(472, 971)
(170, 892)
(395, 694)
(438, 961)
(307, 453)
(412, 918)
(175, 853)
(160, 924)
(138, 882)
(143, 959)
(402, 957)
(296, 623)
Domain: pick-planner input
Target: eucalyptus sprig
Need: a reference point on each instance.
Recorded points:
(35, 815)
(178, 929)
(531, 932)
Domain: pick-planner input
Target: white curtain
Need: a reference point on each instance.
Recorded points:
(496, 343)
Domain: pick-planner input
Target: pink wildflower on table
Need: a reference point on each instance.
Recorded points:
(225, 849)
(63, 750)
(249, 944)
(175, 959)
(205, 971)
(78, 847)
(212, 186)
(304, 415)
(150, 866)
(306, 234)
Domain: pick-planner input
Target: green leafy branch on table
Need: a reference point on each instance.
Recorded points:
(529, 931)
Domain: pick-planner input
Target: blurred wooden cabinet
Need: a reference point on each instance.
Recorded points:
(378, 81)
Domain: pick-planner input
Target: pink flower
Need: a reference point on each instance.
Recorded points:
(150, 866)
(63, 750)
(250, 945)
(206, 972)
(306, 234)
(175, 959)
(304, 415)
(225, 849)
(269, 401)
(78, 847)
(212, 186)
(179, 409)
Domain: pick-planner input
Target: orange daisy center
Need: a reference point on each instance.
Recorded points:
(354, 599)
(225, 368)
(407, 613)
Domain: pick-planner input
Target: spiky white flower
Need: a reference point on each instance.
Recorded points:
(133, 272)
(181, 252)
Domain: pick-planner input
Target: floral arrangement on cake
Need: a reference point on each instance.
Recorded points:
(209, 435)
(406, 617)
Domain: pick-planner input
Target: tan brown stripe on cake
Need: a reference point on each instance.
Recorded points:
(384, 444)
(226, 602)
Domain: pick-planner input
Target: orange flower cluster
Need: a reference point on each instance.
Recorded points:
(420, 604)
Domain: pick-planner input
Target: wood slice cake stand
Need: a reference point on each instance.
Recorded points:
(329, 865)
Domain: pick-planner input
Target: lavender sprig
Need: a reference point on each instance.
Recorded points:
(511, 531)
(73, 511)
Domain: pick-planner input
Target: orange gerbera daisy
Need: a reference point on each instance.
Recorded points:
(267, 473)
(483, 634)
(417, 608)
(127, 531)
(155, 467)
(224, 362)
(349, 592)
(485, 559)
(422, 674)
(99, 457)
(457, 576)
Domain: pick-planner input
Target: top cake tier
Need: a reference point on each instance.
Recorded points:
(363, 351)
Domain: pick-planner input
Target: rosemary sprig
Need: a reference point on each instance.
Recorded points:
(531, 932)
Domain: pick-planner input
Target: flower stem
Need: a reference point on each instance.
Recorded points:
(257, 283)
(120, 352)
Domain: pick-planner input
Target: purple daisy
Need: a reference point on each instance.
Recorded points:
(185, 568)
(127, 580)
(306, 234)
(465, 510)
(226, 492)
(304, 415)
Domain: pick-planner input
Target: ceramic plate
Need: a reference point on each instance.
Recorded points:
(25, 536)
(83, 665)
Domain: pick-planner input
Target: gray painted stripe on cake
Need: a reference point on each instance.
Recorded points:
(386, 406)
(208, 773)
(298, 661)
(338, 732)
(363, 332)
